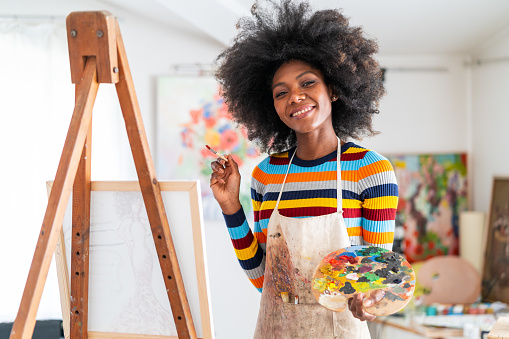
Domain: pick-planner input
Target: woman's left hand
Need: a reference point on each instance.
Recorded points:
(355, 304)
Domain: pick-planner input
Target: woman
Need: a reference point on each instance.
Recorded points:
(300, 81)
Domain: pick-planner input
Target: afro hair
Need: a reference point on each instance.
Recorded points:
(290, 30)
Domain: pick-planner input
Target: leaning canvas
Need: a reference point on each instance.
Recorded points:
(127, 294)
(495, 282)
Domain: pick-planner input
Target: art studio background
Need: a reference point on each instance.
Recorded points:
(446, 76)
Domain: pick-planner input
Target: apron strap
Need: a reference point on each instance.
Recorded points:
(284, 180)
(339, 191)
(339, 186)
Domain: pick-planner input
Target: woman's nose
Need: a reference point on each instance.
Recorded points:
(297, 96)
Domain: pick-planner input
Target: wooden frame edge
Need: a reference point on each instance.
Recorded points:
(63, 279)
(200, 259)
(127, 186)
(110, 335)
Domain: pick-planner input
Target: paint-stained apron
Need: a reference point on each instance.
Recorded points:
(294, 248)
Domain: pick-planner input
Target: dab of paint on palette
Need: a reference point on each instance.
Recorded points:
(361, 269)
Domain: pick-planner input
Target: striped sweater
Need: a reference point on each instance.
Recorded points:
(370, 199)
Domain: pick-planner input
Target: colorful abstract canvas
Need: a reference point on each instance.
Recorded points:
(432, 193)
(191, 114)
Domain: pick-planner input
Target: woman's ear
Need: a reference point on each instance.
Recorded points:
(333, 97)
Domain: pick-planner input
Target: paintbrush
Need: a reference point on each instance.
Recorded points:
(219, 155)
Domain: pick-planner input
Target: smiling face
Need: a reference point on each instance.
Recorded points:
(301, 97)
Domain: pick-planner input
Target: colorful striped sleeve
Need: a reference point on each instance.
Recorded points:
(379, 195)
(250, 255)
(250, 247)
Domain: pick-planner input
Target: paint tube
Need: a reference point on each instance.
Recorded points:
(296, 299)
(431, 310)
(285, 297)
(483, 308)
(457, 309)
(441, 309)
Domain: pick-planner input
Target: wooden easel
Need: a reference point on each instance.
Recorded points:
(97, 55)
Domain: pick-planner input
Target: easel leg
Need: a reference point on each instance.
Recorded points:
(80, 237)
(152, 197)
(25, 320)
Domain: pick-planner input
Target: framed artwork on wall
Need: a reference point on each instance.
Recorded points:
(191, 114)
(495, 282)
(432, 193)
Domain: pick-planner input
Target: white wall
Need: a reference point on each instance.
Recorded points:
(425, 108)
(152, 49)
(490, 102)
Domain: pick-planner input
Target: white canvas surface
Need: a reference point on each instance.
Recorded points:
(126, 288)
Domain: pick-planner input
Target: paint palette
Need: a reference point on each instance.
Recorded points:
(361, 269)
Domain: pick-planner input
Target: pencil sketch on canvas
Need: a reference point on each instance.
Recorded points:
(127, 293)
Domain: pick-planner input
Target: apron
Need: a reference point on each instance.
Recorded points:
(294, 247)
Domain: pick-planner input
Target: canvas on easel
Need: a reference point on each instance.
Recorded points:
(126, 290)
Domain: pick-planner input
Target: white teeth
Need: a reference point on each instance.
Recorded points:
(302, 111)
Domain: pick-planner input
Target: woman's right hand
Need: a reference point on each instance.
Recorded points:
(225, 184)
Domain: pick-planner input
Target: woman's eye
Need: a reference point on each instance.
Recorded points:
(307, 83)
(279, 94)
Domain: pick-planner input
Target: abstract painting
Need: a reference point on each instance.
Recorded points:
(495, 283)
(432, 193)
(191, 114)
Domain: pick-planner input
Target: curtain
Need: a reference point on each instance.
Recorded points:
(36, 105)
